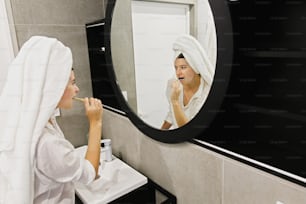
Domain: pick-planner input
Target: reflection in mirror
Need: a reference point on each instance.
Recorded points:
(188, 90)
(142, 39)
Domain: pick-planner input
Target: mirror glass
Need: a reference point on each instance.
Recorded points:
(143, 35)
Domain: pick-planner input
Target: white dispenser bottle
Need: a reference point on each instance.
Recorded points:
(107, 149)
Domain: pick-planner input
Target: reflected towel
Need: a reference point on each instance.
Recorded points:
(195, 56)
(35, 83)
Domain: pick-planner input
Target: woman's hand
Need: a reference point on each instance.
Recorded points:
(178, 111)
(175, 91)
(94, 109)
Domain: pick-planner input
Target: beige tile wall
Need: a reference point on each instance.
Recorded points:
(194, 174)
(244, 184)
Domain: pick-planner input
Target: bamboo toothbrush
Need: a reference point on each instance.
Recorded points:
(78, 99)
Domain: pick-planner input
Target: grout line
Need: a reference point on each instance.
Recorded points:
(223, 182)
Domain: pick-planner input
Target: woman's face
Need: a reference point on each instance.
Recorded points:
(184, 72)
(70, 92)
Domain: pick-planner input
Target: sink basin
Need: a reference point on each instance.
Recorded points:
(116, 179)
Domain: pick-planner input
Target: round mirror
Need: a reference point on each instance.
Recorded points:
(163, 53)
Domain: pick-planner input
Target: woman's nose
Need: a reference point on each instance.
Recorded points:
(77, 89)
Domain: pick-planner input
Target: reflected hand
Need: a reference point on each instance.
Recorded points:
(175, 91)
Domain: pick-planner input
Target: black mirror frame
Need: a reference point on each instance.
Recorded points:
(211, 107)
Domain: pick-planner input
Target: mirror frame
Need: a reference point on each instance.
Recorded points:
(207, 113)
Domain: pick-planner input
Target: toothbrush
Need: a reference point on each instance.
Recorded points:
(78, 99)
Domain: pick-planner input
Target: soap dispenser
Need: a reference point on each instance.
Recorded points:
(107, 148)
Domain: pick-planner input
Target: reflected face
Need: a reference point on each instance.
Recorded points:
(184, 72)
(71, 91)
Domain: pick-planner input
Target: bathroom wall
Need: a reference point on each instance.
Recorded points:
(192, 173)
(64, 20)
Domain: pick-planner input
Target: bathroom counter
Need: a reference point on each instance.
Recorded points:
(116, 180)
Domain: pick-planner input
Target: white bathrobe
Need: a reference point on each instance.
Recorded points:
(57, 167)
(35, 83)
(193, 106)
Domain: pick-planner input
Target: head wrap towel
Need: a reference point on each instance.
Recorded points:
(195, 56)
(36, 80)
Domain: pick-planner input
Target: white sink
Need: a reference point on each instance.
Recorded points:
(116, 179)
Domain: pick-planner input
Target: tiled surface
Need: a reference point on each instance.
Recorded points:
(244, 184)
(182, 169)
(194, 174)
(57, 12)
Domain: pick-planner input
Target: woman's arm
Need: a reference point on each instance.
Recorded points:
(166, 125)
(94, 111)
(179, 114)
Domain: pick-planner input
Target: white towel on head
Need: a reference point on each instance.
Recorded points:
(36, 80)
(195, 56)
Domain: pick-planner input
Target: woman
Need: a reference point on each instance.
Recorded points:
(188, 92)
(38, 165)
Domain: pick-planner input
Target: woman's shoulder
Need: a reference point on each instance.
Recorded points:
(51, 136)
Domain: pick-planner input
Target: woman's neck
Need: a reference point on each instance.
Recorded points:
(191, 89)
(194, 86)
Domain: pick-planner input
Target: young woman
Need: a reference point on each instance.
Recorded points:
(187, 93)
(37, 164)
